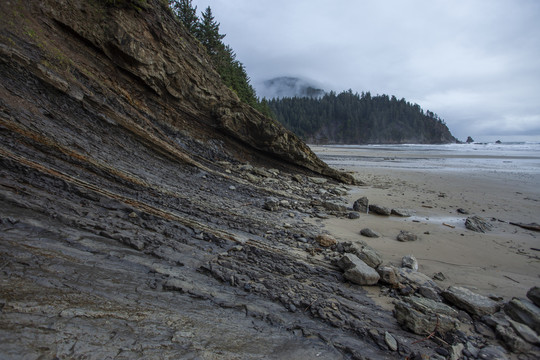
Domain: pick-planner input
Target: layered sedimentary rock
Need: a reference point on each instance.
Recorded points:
(131, 225)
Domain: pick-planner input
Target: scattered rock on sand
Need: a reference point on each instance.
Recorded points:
(401, 212)
(473, 303)
(354, 215)
(325, 240)
(534, 295)
(416, 279)
(361, 205)
(406, 236)
(388, 275)
(525, 312)
(367, 254)
(380, 210)
(439, 276)
(369, 233)
(357, 271)
(409, 261)
(478, 224)
(424, 316)
(462, 211)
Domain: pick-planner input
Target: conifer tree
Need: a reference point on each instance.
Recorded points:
(187, 14)
(208, 32)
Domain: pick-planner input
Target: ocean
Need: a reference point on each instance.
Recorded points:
(521, 158)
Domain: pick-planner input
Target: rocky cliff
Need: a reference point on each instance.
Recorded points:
(133, 187)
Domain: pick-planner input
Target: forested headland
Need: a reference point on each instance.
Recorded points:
(352, 118)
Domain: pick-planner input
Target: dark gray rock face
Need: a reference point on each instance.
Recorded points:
(478, 224)
(357, 271)
(404, 236)
(422, 316)
(361, 205)
(369, 233)
(401, 212)
(473, 303)
(379, 210)
(525, 312)
(534, 295)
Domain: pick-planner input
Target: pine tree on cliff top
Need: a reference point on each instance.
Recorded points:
(187, 13)
(208, 32)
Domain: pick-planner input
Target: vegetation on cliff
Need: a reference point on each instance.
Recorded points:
(232, 71)
(352, 118)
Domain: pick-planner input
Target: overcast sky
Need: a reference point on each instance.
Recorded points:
(476, 63)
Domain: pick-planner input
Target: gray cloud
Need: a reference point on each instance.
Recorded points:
(473, 62)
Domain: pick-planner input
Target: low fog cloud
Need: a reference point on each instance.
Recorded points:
(474, 63)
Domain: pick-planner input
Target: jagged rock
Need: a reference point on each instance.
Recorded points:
(478, 224)
(422, 323)
(401, 212)
(380, 210)
(498, 318)
(326, 240)
(429, 293)
(492, 352)
(357, 271)
(439, 276)
(469, 301)
(534, 295)
(361, 205)
(525, 332)
(354, 215)
(369, 233)
(410, 262)
(416, 279)
(406, 236)
(388, 275)
(525, 312)
(332, 206)
(271, 204)
(511, 339)
(390, 341)
(427, 306)
(365, 253)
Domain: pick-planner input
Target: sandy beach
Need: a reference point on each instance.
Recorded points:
(504, 261)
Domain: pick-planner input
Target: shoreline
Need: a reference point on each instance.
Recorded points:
(502, 261)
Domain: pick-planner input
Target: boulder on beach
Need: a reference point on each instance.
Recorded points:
(525, 312)
(367, 232)
(389, 275)
(406, 236)
(380, 210)
(423, 316)
(357, 271)
(473, 303)
(478, 224)
(409, 261)
(534, 295)
(326, 240)
(401, 212)
(361, 205)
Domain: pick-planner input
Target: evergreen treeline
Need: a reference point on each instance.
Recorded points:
(350, 118)
(232, 71)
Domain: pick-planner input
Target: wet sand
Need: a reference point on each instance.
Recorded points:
(502, 261)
